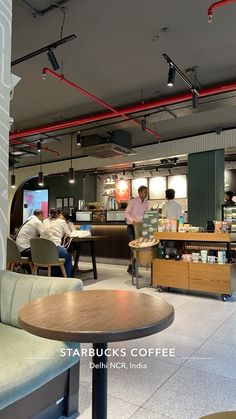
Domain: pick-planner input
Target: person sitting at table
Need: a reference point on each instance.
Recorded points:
(55, 229)
(67, 218)
(30, 229)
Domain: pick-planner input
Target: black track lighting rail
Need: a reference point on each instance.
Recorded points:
(47, 48)
(181, 74)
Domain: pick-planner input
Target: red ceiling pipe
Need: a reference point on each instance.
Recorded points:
(215, 5)
(16, 142)
(96, 99)
(224, 88)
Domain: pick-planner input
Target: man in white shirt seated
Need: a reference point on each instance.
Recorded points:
(30, 229)
(55, 229)
(171, 209)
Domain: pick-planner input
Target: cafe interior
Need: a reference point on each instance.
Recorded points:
(98, 99)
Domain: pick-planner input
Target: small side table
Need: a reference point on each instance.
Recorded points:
(98, 317)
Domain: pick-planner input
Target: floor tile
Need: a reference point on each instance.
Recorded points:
(135, 381)
(187, 325)
(117, 409)
(216, 358)
(227, 332)
(147, 414)
(190, 394)
(181, 346)
(208, 309)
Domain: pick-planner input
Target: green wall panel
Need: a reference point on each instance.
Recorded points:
(205, 186)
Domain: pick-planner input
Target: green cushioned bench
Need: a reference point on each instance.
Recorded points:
(34, 372)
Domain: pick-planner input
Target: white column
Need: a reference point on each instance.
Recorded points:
(5, 82)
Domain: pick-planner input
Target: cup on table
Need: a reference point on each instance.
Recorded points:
(221, 257)
(195, 257)
(204, 256)
(211, 259)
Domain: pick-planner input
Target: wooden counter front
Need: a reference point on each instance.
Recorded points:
(114, 246)
(209, 277)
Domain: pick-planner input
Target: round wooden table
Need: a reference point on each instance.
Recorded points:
(98, 317)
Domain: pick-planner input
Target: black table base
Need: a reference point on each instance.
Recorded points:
(76, 246)
(99, 396)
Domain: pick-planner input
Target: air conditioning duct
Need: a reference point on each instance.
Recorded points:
(116, 144)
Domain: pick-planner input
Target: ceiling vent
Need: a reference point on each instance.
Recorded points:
(117, 144)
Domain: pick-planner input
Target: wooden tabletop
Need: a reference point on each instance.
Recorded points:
(96, 316)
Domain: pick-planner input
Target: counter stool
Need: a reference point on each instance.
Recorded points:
(220, 415)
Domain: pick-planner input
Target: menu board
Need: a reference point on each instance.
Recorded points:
(179, 184)
(157, 187)
(136, 183)
(150, 221)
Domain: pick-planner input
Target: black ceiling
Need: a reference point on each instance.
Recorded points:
(117, 56)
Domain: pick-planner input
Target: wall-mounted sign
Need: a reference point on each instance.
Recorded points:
(122, 190)
(179, 184)
(136, 183)
(157, 187)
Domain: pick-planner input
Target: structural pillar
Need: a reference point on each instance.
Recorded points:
(5, 85)
(205, 186)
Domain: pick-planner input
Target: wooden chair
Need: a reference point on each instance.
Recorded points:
(14, 257)
(44, 254)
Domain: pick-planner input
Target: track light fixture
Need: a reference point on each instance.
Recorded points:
(53, 60)
(194, 99)
(172, 69)
(143, 123)
(78, 138)
(171, 76)
(13, 181)
(84, 177)
(71, 169)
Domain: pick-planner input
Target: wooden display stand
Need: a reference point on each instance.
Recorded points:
(215, 278)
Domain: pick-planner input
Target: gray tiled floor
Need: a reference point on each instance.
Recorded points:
(199, 380)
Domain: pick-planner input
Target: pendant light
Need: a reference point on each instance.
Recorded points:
(71, 169)
(39, 146)
(40, 174)
(13, 177)
(78, 138)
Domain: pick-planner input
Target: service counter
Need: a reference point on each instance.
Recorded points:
(114, 248)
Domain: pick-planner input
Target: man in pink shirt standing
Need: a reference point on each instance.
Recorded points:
(134, 214)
